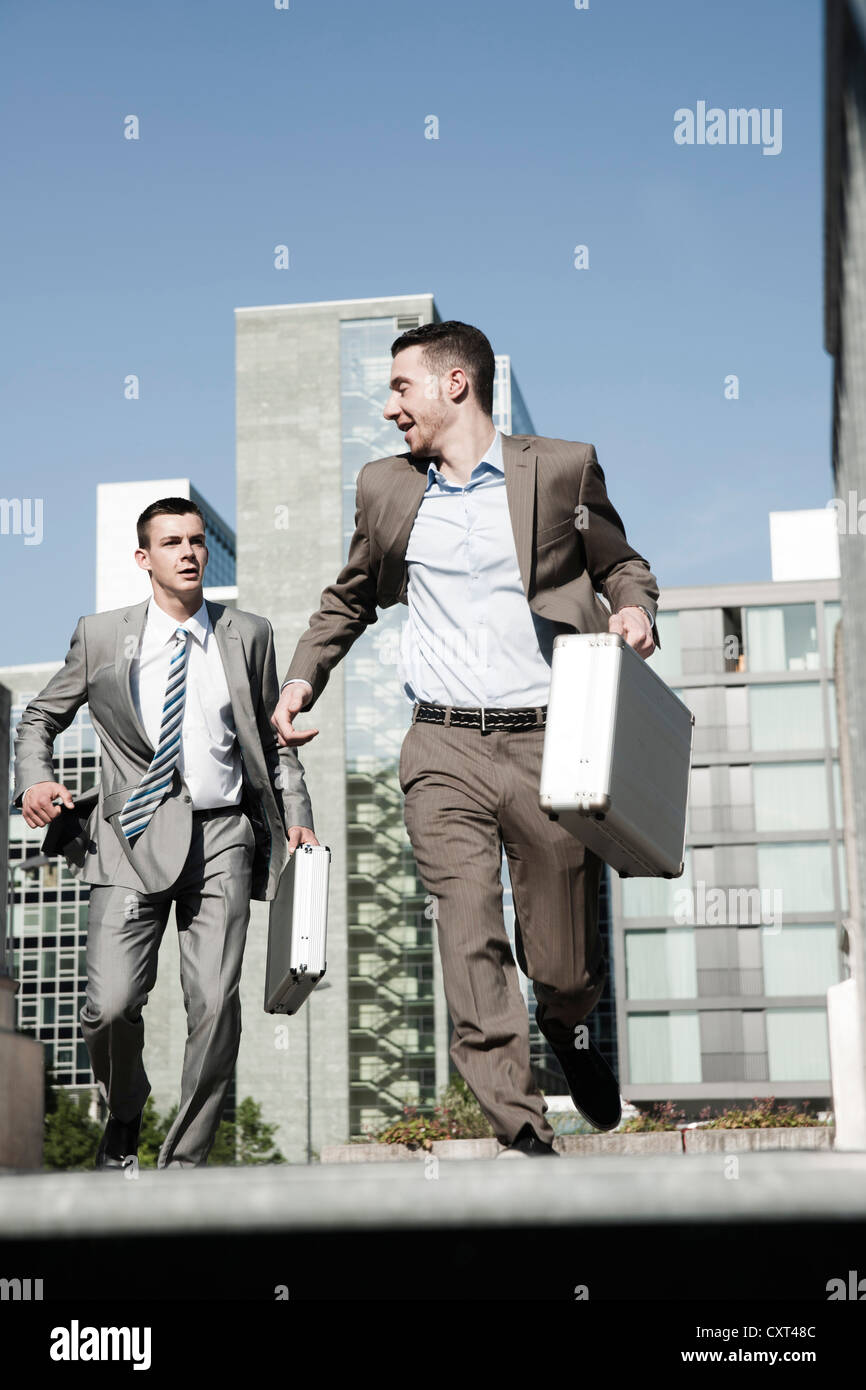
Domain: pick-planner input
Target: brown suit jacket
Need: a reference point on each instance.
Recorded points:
(569, 539)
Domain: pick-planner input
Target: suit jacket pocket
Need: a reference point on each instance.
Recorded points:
(115, 801)
(551, 534)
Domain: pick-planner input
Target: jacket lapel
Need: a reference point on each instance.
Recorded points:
(231, 650)
(520, 462)
(128, 640)
(405, 491)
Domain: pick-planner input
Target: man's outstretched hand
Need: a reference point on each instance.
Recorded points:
(634, 625)
(290, 703)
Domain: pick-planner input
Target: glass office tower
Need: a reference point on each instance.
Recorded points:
(726, 969)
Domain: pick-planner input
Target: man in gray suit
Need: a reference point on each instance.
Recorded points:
(196, 805)
(496, 543)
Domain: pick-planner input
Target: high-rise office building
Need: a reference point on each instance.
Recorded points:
(723, 973)
(312, 383)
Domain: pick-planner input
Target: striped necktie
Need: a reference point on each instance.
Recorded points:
(137, 811)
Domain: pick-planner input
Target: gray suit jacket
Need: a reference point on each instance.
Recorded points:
(569, 539)
(97, 672)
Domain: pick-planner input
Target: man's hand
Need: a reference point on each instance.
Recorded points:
(36, 804)
(290, 703)
(634, 625)
(300, 835)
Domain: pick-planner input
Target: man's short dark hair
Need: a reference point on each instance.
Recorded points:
(166, 506)
(455, 344)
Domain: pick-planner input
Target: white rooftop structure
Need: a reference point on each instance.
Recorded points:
(119, 580)
(805, 544)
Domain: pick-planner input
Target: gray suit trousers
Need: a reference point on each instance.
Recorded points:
(469, 793)
(125, 928)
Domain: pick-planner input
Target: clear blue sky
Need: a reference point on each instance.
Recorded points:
(306, 127)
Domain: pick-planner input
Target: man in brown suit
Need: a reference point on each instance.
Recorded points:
(496, 544)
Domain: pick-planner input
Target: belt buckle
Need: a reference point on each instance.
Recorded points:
(483, 725)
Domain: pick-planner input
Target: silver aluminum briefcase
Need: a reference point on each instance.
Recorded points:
(617, 755)
(297, 930)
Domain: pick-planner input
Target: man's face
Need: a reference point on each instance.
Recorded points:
(416, 404)
(177, 554)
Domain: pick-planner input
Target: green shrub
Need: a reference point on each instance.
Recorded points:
(762, 1115)
(662, 1115)
(418, 1131)
(461, 1114)
(71, 1137)
(457, 1115)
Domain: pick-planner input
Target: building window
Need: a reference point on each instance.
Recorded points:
(801, 873)
(786, 717)
(797, 1045)
(790, 796)
(658, 897)
(664, 1048)
(832, 615)
(783, 638)
(660, 964)
(666, 660)
(800, 959)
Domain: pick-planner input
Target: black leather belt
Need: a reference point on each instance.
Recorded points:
(212, 811)
(486, 718)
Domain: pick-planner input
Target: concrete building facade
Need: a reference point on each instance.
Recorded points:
(723, 973)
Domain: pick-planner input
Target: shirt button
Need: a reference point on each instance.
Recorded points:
(187, 797)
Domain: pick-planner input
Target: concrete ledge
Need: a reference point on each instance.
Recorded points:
(778, 1228)
(386, 1153)
(662, 1141)
(580, 1190)
(466, 1148)
(368, 1153)
(702, 1141)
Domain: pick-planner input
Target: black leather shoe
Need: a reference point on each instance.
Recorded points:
(591, 1083)
(527, 1143)
(119, 1142)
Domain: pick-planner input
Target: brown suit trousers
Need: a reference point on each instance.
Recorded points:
(467, 794)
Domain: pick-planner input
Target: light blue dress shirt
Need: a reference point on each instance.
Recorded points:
(471, 638)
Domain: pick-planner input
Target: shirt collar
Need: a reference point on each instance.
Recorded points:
(165, 625)
(493, 457)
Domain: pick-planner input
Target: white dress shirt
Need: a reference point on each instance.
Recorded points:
(209, 759)
(471, 638)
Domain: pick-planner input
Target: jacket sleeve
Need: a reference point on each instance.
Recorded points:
(346, 609)
(47, 715)
(284, 765)
(615, 568)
